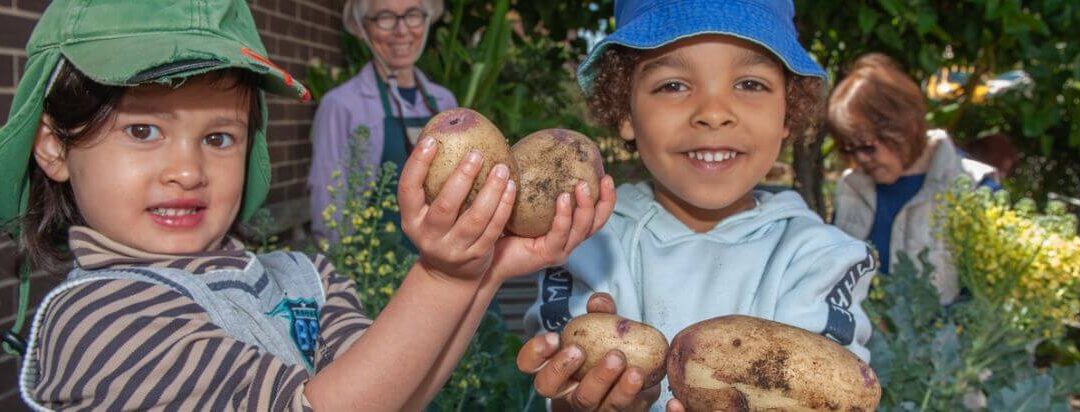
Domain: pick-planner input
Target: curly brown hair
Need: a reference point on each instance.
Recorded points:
(609, 99)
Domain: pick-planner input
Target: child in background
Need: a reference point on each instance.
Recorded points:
(137, 137)
(708, 92)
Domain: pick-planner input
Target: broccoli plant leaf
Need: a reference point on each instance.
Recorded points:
(1031, 394)
(1066, 380)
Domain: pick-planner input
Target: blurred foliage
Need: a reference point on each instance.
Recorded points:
(1028, 263)
(961, 357)
(985, 37)
(1002, 345)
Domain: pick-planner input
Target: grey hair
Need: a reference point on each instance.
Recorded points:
(352, 16)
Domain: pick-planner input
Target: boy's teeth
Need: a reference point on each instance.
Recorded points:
(160, 211)
(712, 156)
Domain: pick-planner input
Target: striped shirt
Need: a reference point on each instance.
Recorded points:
(123, 344)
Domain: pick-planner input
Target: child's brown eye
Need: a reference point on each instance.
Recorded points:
(219, 140)
(143, 131)
(670, 87)
(752, 85)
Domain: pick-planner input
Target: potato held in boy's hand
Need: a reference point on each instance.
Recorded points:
(742, 363)
(599, 333)
(550, 162)
(458, 132)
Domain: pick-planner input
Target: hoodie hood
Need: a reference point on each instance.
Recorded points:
(638, 205)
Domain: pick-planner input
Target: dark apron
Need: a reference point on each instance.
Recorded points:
(399, 137)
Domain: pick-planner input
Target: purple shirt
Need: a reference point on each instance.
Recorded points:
(352, 104)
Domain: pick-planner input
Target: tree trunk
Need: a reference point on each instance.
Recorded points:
(808, 165)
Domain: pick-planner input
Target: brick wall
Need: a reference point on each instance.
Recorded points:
(294, 31)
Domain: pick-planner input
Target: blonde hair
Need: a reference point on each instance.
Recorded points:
(352, 15)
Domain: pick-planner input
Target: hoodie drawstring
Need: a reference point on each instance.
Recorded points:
(635, 258)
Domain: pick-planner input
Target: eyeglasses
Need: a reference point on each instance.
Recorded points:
(387, 20)
(867, 149)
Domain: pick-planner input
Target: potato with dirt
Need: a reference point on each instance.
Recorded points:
(458, 132)
(599, 333)
(743, 363)
(551, 162)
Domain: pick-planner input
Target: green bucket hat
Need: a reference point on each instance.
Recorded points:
(127, 43)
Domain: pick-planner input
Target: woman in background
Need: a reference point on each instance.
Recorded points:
(387, 103)
(877, 115)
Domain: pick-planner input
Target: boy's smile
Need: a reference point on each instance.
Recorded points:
(707, 115)
(166, 175)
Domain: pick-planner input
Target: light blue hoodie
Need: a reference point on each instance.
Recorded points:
(776, 261)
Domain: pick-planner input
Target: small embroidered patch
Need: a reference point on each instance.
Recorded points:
(303, 316)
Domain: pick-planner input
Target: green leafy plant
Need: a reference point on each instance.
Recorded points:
(939, 359)
(980, 352)
(367, 246)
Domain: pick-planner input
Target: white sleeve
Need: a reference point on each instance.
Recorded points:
(826, 292)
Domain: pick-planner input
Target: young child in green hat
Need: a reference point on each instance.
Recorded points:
(137, 137)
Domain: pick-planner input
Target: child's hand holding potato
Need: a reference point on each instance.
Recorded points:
(611, 385)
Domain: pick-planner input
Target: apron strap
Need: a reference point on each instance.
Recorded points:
(384, 97)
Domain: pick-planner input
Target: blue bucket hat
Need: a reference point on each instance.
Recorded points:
(650, 24)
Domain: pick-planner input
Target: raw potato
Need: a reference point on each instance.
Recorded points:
(551, 161)
(598, 333)
(742, 363)
(458, 132)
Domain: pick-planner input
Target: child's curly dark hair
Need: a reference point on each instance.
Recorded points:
(609, 100)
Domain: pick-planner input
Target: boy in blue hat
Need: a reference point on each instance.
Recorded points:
(708, 92)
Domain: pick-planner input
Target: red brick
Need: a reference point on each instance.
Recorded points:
(287, 7)
(311, 15)
(40, 285)
(299, 112)
(277, 111)
(298, 30)
(7, 71)
(9, 380)
(269, 4)
(282, 174)
(9, 259)
(20, 67)
(16, 31)
(279, 154)
(276, 195)
(5, 106)
(9, 295)
(301, 151)
(279, 25)
(262, 19)
(36, 6)
(288, 48)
